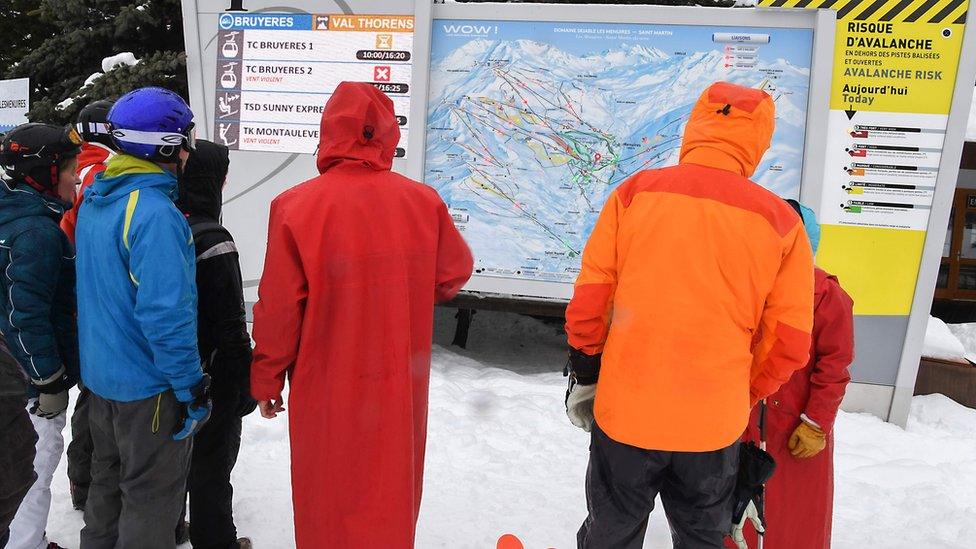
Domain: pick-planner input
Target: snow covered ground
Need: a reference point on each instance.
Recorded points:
(503, 458)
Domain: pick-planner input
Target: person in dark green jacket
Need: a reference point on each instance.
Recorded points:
(37, 297)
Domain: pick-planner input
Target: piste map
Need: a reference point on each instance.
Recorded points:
(531, 125)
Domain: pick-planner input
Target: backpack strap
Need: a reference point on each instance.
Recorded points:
(203, 228)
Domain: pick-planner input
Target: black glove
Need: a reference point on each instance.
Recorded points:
(583, 371)
(583, 368)
(246, 404)
(57, 383)
(756, 467)
(53, 398)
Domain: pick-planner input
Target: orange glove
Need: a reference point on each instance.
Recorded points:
(807, 441)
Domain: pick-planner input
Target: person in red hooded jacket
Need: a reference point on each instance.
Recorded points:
(800, 419)
(356, 259)
(96, 150)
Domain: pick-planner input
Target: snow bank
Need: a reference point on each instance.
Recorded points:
(941, 343)
(503, 458)
(966, 334)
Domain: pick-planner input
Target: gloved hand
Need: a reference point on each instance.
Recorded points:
(751, 514)
(583, 371)
(807, 441)
(197, 408)
(246, 404)
(50, 406)
(52, 400)
(579, 405)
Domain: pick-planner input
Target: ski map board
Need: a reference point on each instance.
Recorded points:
(275, 72)
(533, 121)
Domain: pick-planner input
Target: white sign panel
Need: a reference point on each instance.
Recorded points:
(882, 168)
(276, 71)
(14, 103)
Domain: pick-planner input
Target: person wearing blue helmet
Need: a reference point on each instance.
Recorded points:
(137, 327)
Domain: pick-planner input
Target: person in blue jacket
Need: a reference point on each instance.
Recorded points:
(37, 302)
(137, 309)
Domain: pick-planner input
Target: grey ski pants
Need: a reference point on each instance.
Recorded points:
(138, 474)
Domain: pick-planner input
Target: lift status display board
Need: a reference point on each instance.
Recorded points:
(275, 71)
(535, 115)
(259, 81)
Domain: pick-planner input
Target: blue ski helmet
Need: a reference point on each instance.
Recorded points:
(152, 123)
(810, 223)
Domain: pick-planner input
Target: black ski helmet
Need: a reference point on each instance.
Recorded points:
(92, 123)
(33, 153)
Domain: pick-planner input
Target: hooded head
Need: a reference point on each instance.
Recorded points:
(810, 223)
(358, 125)
(203, 180)
(730, 128)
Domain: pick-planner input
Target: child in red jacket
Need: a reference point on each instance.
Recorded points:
(800, 420)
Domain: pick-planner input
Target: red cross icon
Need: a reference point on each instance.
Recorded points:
(381, 74)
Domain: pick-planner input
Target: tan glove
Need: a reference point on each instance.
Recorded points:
(50, 406)
(579, 405)
(807, 441)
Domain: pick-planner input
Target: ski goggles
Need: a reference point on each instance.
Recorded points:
(71, 138)
(186, 140)
(94, 128)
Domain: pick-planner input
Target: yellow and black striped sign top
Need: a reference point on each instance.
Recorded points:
(898, 11)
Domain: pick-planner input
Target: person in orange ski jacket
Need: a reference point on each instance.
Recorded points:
(356, 259)
(685, 264)
(799, 424)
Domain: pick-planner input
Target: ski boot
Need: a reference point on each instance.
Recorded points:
(182, 533)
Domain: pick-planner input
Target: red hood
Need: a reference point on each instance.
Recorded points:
(821, 281)
(93, 154)
(358, 125)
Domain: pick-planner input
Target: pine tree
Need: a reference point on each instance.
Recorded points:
(22, 31)
(86, 31)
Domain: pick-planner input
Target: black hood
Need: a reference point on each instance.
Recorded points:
(203, 180)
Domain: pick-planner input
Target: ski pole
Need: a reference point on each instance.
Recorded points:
(762, 491)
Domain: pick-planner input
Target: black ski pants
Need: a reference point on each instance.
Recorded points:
(17, 446)
(80, 450)
(622, 482)
(215, 450)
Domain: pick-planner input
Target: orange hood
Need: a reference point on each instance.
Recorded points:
(730, 128)
(358, 124)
